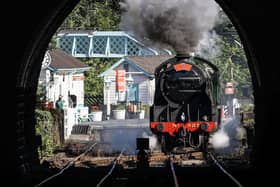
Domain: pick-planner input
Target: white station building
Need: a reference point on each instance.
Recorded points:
(62, 74)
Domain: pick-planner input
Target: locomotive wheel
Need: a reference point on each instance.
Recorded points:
(166, 144)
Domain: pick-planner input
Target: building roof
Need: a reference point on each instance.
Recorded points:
(62, 60)
(91, 43)
(148, 63)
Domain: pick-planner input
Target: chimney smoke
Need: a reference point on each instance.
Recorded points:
(179, 24)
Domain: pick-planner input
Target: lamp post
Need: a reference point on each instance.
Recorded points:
(129, 81)
(107, 83)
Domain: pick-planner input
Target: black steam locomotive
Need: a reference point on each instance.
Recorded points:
(185, 108)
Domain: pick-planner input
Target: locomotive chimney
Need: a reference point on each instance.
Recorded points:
(183, 54)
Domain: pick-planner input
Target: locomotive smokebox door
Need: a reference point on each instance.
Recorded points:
(142, 143)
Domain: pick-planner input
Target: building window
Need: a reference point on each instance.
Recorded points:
(125, 66)
(52, 76)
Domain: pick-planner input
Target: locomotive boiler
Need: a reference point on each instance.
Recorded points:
(186, 103)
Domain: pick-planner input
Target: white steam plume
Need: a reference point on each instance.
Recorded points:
(153, 142)
(227, 140)
(116, 139)
(176, 23)
(209, 45)
(220, 139)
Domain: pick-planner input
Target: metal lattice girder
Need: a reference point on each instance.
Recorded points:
(104, 44)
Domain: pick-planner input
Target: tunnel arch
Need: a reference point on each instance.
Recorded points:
(38, 33)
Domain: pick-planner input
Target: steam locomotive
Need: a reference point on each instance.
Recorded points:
(186, 103)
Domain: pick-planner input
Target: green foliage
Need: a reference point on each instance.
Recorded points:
(145, 107)
(40, 97)
(99, 15)
(231, 71)
(119, 107)
(248, 107)
(52, 44)
(45, 128)
(93, 83)
(248, 115)
(102, 15)
(231, 59)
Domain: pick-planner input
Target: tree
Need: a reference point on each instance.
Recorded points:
(230, 69)
(104, 15)
(101, 15)
(231, 59)
(45, 128)
(93, 83)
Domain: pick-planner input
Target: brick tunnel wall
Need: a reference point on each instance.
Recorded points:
(26, 141)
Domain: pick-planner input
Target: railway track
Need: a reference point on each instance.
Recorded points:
(114, 163)
(121, 170)
(176, 184)
(175, 165)
(71, 163)
(223, 170)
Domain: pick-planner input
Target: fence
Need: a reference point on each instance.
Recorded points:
(91, 100)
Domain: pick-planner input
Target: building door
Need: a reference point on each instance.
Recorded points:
(133, 92)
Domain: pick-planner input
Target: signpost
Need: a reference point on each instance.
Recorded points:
(229, 92)
(229, 88)
(120, 80)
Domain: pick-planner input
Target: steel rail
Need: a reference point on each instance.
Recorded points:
(67, 166)
(173, 172)
(111, 170)
(223, 170)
